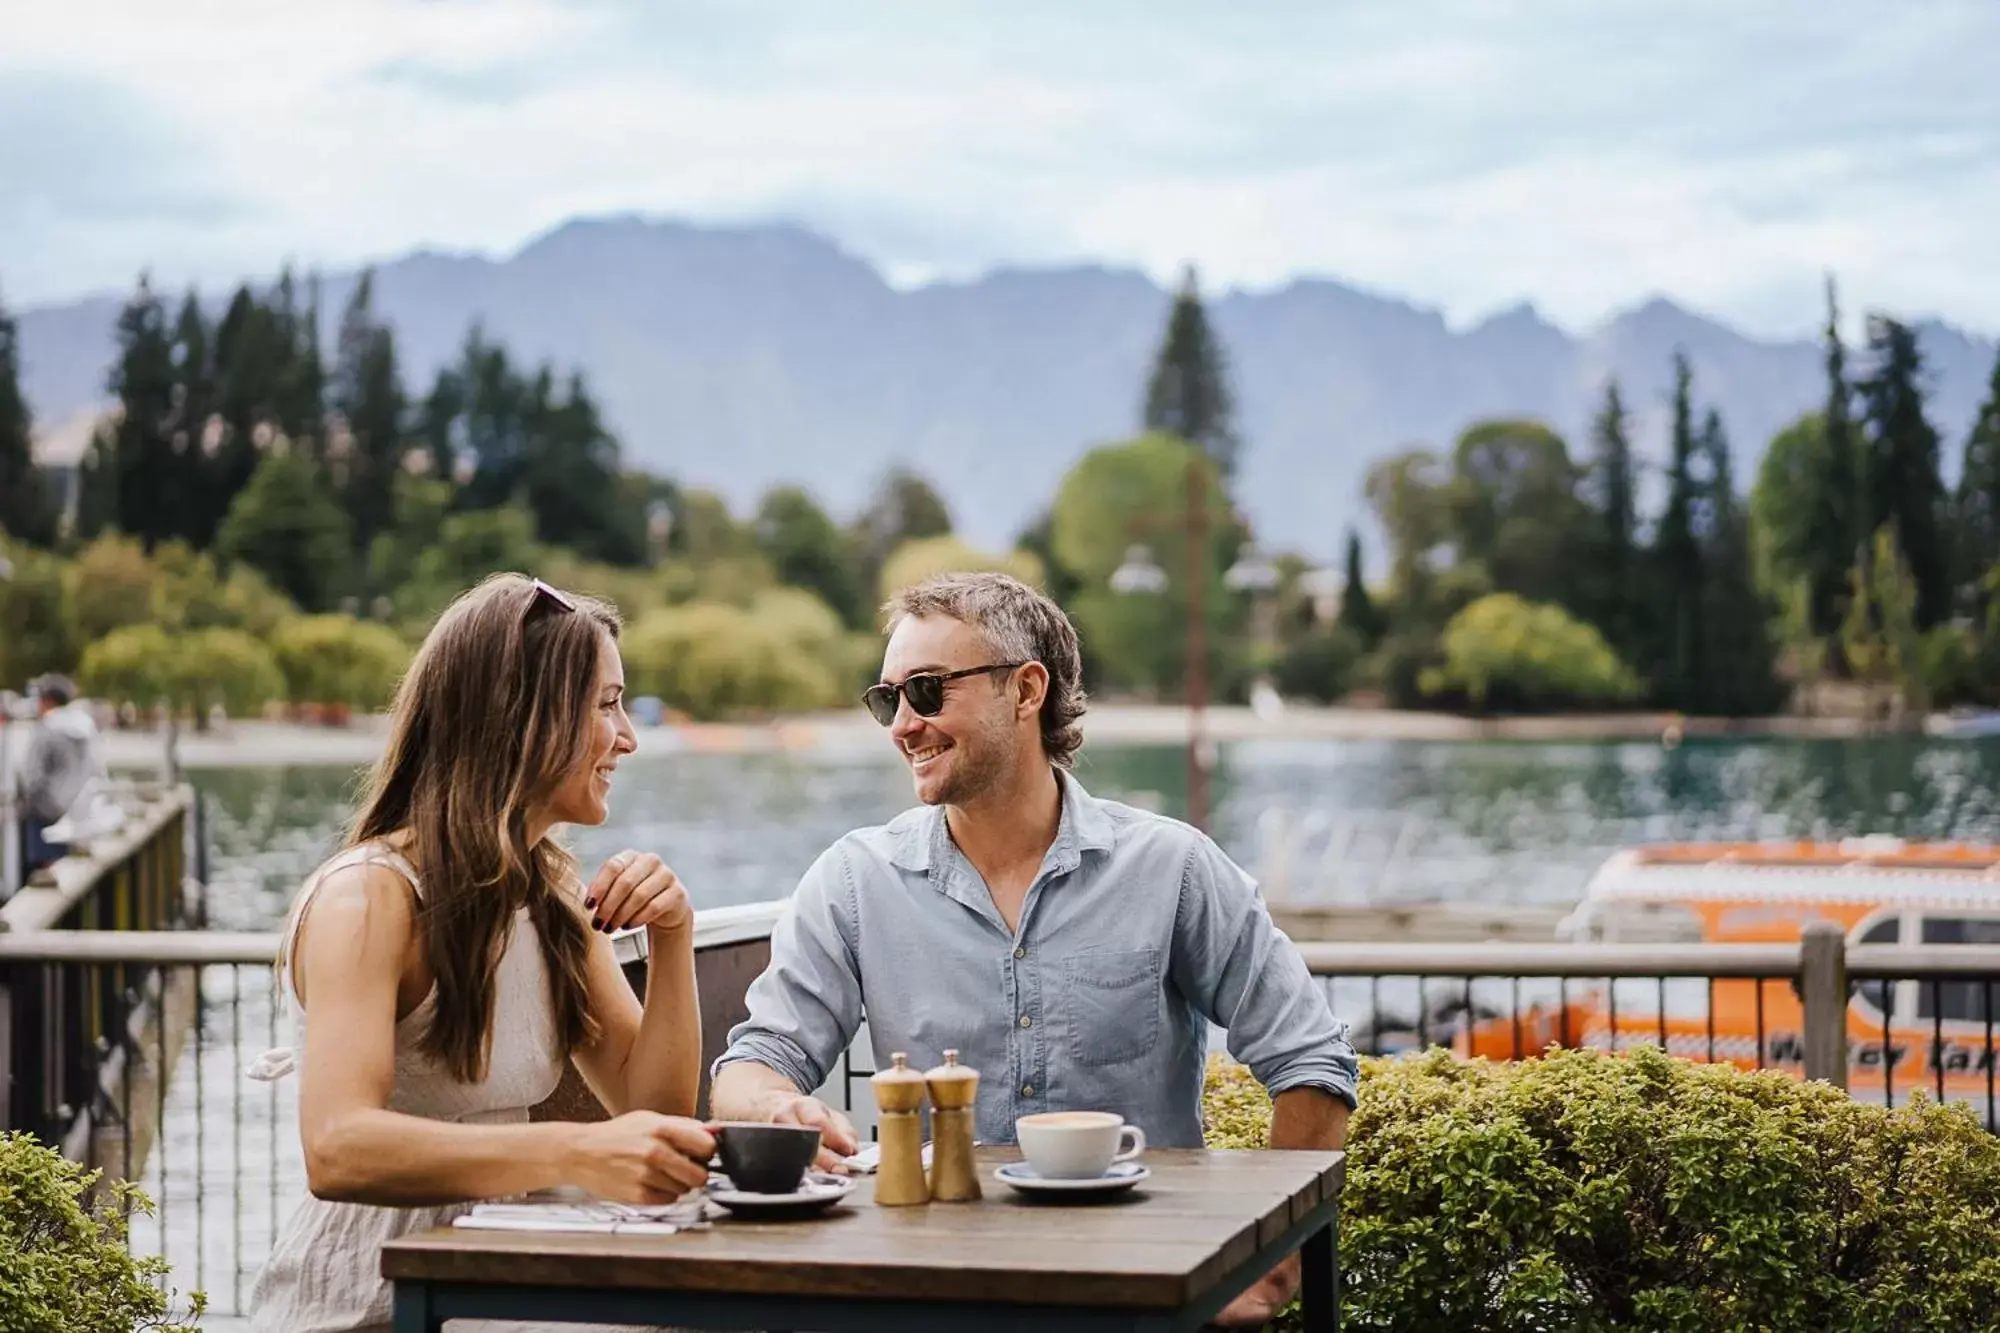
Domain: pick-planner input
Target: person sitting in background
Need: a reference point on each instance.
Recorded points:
(452, 959)
(1074, 950)
(62, 757)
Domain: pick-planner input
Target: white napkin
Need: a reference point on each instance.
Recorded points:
(595, 1215)
(869, 1160)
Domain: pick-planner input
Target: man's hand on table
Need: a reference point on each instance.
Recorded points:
(837, 1139)
(1260, 1304)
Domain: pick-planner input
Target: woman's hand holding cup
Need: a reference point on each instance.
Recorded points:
(640, 1157)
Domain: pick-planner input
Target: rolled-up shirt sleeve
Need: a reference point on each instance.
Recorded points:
(806, 1007)
(1240, 970)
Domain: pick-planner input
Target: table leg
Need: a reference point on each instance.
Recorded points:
(414, 1311)
(1319, 1282)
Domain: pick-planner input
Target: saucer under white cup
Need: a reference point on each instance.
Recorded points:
(1077, 1145)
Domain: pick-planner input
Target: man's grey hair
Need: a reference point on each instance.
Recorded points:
(1019, 625)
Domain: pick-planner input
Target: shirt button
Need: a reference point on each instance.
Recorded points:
(1026, 1021)
(1027, 1089)
(1020, 953)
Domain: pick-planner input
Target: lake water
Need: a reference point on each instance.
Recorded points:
(1317, 820)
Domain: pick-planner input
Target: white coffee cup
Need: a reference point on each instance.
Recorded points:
(1077, 1145)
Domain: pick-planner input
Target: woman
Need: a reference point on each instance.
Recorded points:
(450, 959)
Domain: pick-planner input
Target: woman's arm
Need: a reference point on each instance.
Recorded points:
(350, 959)
(645, 1058)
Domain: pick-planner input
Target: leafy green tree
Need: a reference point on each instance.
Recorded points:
(151, 490)
(915, 561)
(1137, 494)
(1059, 581)
(1410, 496)
(34, 609)
(226, 669)
(1905, 489)
(367, 394)
(713, 660)
(1357, 609)
(469, 546)
(807, 551)
(419, 508)
(1881, 637)
(1784, 539)
(1979, 496)
(110, 585)
(336, 659)
(287, 525)
(903, 509)
(1188, 395)
(27, 509)
(1514, 509)
(1505, 652)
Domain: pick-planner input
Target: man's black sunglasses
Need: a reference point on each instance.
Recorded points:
(924, 690)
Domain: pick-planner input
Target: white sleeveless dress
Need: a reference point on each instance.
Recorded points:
(325, 1273)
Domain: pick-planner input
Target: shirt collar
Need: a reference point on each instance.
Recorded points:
(922, 840)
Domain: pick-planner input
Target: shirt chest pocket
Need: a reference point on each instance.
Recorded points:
(1111, 1002)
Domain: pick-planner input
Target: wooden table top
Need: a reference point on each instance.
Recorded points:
(1162, 1245)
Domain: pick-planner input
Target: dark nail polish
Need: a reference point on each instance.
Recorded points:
(590, 902)
(596, 924)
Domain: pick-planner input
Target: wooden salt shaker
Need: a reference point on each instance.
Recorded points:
(899, 1102)
(953, 1088)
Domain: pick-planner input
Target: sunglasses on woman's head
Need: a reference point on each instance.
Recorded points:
(924, 690)
(545, 595)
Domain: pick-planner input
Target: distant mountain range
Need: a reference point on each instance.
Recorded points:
(741, 357)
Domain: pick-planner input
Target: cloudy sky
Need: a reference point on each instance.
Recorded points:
(1582, 154)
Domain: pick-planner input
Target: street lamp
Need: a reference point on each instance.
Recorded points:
(1140, 574)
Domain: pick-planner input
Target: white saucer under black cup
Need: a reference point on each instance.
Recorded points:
(816, 1193)
(1117, 1178)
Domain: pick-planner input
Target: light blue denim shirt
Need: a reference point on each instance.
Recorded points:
(1136, 935)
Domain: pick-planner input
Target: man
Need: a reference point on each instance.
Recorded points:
(1074, 950)
(58, 762)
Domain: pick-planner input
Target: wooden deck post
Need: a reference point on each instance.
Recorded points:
(1823, 992)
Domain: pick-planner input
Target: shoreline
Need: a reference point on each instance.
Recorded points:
(278, 744)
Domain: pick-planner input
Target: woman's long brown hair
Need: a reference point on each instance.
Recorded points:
(494, 713)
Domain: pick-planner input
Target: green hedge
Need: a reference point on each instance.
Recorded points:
(63, 1265)
(1584, 1191)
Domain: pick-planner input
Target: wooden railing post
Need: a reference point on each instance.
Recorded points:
(1823, 993)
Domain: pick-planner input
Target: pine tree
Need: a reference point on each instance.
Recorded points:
(1836, 526)
(27, 509)
(1905, 491)
(199, 509)
(1358, 611)
(1739, 657)
(301, 380)
(1677, 556)
(367, 392)
(150, 490)
(1614, 486)
(1979, 498)
(1188, 395)
(249, 361)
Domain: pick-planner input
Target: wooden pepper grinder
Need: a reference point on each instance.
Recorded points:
(954, 1089)
(899, 1101)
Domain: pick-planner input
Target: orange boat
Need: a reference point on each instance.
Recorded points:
(1902, 1035)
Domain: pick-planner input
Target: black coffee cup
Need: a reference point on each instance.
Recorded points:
(766, 1159)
